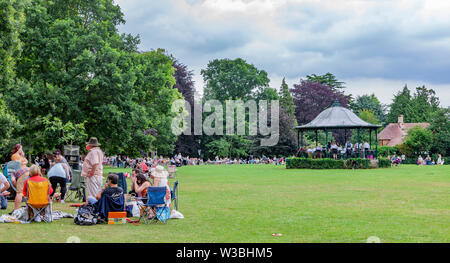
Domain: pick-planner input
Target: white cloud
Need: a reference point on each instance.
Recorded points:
(381, 44)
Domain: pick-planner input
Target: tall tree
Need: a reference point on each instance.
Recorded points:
(11, 24)
(311, 98)
(401, 105)
(368, 103)
(186, 144)
(425, 103)
(236, 79)
(228, 79)
(77, 69)
(440, 128)
(286, 100)
(419, 140)
(288, 136)
(417, 107)
(326, 79)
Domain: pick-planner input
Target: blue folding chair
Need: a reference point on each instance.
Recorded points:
(174, 194)
(156, 208)
(9, 169)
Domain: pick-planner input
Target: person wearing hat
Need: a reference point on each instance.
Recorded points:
(92, 168)
(159, 176)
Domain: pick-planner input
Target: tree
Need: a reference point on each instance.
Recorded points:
(415, 108)
(60, 134)
(232, 79)
(286, 100)
(327, 79)
(156, 82)
(368, 116)
(232, 146)
(425, 104)
(8, 123)
(77, 68)
(440, 128)
(186, 144)
(369, 103)
(11, 24)
(401, 105)
(311, 98)
(419, 140)
(288, 136)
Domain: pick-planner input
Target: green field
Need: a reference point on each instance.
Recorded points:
(248, 203)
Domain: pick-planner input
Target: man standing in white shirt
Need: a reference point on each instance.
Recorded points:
(92, 168)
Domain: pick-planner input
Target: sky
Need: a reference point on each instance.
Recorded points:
(374, 46)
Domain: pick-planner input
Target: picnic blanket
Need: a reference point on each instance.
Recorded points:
(20, 216)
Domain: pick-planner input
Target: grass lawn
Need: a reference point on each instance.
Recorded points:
(248, 203)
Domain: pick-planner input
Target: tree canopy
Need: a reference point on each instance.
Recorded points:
(228, 79)
(76, 72)
(415, 108)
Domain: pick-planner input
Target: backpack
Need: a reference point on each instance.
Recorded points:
(87, 215)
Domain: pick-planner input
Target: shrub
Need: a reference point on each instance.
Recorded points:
(357, 163)
(327, 163)
(385, 151)
(405, 149)
(384, 163)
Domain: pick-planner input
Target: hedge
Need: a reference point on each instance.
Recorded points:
(384, 163)
(327, 163)
(386, 151)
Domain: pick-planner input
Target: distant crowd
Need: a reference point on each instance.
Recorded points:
(396, 160)
(179, 160)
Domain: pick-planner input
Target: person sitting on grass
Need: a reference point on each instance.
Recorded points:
(428, 160)
(395, 161)
(4, 186)
(110, 198)
(420, 160)
(440, 161)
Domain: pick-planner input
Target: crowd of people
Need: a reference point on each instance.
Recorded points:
(338, 151)
(145, 171)
(397, 159)
(429, 161)
(179, 160)
(59, 174)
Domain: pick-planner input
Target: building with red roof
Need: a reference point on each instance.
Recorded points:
(395, 133)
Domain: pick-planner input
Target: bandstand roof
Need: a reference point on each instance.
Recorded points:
(337, 117)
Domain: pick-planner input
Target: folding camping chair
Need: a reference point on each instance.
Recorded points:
(122, 182)
(37, 200)
(8, 170)
(156, 208)
(174, 194)
(77, 188)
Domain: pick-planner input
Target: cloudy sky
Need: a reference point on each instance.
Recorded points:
(374, 46)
